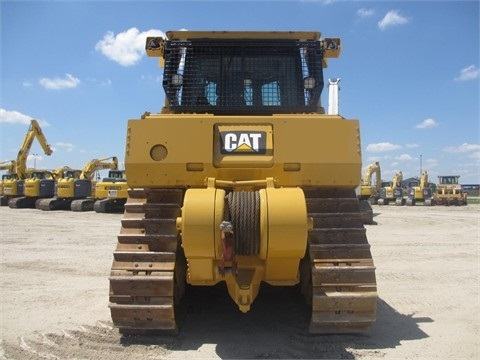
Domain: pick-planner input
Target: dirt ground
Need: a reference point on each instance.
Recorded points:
(54, 295)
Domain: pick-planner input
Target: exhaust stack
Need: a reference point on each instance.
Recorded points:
(333, 89)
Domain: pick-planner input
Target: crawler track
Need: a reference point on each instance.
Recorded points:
(342, 286)
(143, 289)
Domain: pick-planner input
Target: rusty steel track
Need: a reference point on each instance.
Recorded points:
(338, 271)
(147, 276)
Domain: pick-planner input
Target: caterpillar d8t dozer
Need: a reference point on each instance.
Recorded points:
(242, 179)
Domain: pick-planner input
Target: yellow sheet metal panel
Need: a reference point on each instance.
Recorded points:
(31, 187)
(287, 223)
(197, 228)
(319, 150)
(65, 188)
(199, 213)
(287, 233)
(292, 35)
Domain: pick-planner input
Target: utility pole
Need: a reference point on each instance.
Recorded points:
(420, 164)
(34, 160)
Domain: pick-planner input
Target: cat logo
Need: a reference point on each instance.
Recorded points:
(237, 142)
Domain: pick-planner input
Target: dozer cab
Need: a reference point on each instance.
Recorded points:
(449, 191)
(242, 179)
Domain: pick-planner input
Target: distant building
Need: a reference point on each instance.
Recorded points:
(410, 182)
(471, 189)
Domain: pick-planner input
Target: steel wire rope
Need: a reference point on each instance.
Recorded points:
(244, 208)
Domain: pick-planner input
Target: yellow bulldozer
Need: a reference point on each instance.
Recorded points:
(242, 179)
(449, 191)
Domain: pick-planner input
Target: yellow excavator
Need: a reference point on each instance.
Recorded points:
(10, 166)
(75, 188)
(392, 192)
(243, 179)
(39, 185)
(369, 191)
(449, 191)
(422, 192)
(13, 186)
(111, 193)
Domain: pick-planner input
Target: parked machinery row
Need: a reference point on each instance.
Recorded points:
(62, 188)
(75, 188)
(17, 171)
(448, 191)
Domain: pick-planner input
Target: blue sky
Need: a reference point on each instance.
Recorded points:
(409, 70)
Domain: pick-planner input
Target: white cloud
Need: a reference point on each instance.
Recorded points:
(392, 18)
(462, 148)
(411, 146)
(469, 73)
(381, 147)
(475, 155)
(67, 146)
(15, 117)
(363, 13)
(404, 157)
(68, 82)
(427, 123)
(105, 82)
(125, 48)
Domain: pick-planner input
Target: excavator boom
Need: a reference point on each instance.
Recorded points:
(34, 131)
(9, 165)
(98, 164)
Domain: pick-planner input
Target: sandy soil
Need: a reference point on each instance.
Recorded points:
(54, 295)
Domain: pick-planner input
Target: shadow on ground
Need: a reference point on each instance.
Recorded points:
(275, 327)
